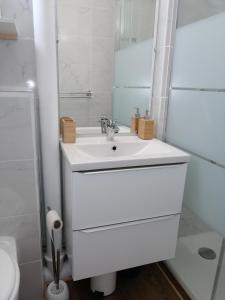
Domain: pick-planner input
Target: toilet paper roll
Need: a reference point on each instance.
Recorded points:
(54, 222)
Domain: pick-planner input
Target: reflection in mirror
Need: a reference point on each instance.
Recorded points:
(199, 45)
(191, 11)
(104, 58)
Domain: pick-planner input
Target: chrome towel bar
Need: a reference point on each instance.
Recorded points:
(88, 94)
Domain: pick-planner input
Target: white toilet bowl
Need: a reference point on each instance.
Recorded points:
(9, 270)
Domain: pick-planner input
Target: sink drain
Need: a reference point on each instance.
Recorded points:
(207, 253)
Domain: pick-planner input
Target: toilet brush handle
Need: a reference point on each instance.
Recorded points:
(53, 261)
(57, 268)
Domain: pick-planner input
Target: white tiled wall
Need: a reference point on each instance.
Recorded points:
(14, 107)
(19, 196)
(86, 47)
(30, 291)
(17, 57)
(19, 211)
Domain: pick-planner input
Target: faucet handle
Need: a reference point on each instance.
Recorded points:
(115, 126)
(103, 118)
(114, 123)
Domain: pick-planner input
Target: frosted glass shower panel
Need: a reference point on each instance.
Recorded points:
(124, 101)
(199, 52)
(133, 65)
(204, 192)
(196, 122)
(220, 288)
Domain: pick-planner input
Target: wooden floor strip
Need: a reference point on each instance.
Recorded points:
(150, 282)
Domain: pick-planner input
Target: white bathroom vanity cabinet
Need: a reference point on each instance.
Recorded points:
(121, 211)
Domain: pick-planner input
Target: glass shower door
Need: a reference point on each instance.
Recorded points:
(196, 122)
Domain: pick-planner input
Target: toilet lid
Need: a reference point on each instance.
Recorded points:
(7, 275)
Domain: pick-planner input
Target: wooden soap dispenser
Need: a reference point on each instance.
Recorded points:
(146, 127)
(134, 122)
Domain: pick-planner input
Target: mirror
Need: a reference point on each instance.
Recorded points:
(105, 52)
(191, 11)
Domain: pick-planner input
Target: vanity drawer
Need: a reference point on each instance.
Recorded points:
(112, 248)
(124, 195)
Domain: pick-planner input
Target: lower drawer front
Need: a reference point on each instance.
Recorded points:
(112, 248)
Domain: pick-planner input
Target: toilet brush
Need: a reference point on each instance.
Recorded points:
(57, 289)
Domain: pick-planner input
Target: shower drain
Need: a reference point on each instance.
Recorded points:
(207, 253)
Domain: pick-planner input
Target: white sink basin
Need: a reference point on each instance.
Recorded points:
(121, 148)
(92, 153)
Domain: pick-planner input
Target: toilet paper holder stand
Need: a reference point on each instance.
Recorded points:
(57, 288)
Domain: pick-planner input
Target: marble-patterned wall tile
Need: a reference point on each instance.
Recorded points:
(102, 50)
(103, 22)
(76, 2)
(86, 56)
(31, 282)
(74, 78)
(100, 80)
(74, 105)
(74, 18)
(17, 62)
(25, 229)
(77, 108)
(109, 4)
(21, 11)
(17, 58)
(18, 188)
(16, 127)
(74, 50)
(191, 224)
(101, 104)
(87, 112)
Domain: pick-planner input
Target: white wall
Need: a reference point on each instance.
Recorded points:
(86, 47)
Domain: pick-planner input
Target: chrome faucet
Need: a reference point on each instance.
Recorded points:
(112, 129)
(109, 127)
(105, 122)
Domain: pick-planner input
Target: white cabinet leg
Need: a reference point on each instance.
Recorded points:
(104, 283)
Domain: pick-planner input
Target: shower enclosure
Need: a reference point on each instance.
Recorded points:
(196, 123)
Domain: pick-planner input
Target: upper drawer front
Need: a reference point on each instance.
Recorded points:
(117, 196)
(108, 249)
